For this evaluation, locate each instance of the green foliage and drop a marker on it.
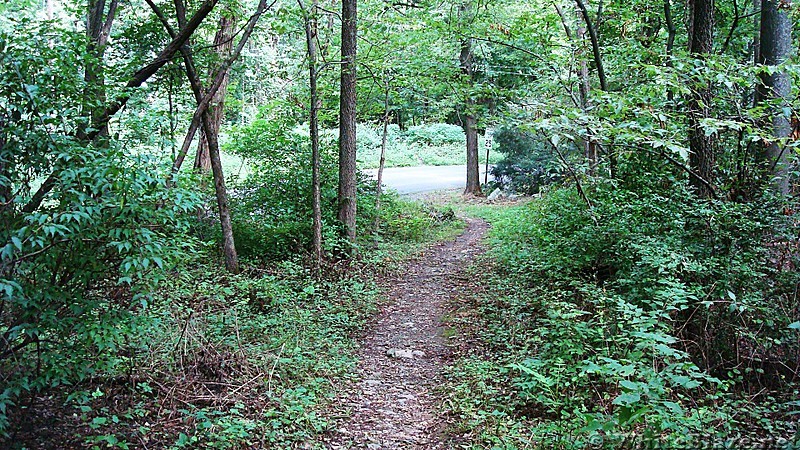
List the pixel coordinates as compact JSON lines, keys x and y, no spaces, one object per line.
{"x":76,"y":274}
{"x":435,"y":134}
{"x":434,"y":144}
{"x":625,"y":318}
{"x":528,"y":164}
{"x":272,"y":206}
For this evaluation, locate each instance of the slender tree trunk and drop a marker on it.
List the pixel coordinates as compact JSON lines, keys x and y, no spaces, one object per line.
{"x":593,"y":36}
{"x":223,"y":45}
{"x":757,"y":35}
{"x":776,"y":48}
{"x":229,"y":247}
{"x":584,"y":86}
{"x":468,"y":120}
{"x":313,"y":125}
{"x":98,"y":30}
{"x":589,"y":144}
{"x":591,"y":147}
{"x":347,"y":121}
{"x":382,"y":163}
{"x":671,"y":34}
{"x":702,"y":159}
{"x":228,"y":244}
{"x":6,"y":200}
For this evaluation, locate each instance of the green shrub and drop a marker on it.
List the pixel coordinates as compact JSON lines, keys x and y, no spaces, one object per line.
{"x":435,"y":134}
{"x":528,"y":164}
{"x":75,"y":276}
{"x":631,"y":317}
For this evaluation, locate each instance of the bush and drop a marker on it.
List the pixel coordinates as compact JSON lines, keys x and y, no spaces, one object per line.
{"x":527,"y":165}
{"x":634,"y":316}
{"x":435,"y":134}
{"x":76,"y":275}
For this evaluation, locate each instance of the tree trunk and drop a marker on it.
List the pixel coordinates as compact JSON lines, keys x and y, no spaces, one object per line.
{"x":6,"y":195}
{"x":468,"y":120}
{"x":776,"y":47}
{"x":593,"y":36}
{"x":671,"y":34}
{"x":703,"y":158}
{"x":589,"y":144}
{"x":223,"y":45}
{"x":347,"y":121}
{"x":382,"y":163}
{"x":473,"y":165}
{"x":98,"y":30}
{"x":757,"y":35}
{"x":313,"y":126}
{"x":228,"y":245}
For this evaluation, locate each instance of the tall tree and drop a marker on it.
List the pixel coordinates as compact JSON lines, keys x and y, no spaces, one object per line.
{"x":201,"y":116}
{"x":702,"y":159}
{"x":312,"y":30}
{"x":776,"y":86}
{"x":347,"y":121}
{"x":468,"y":119}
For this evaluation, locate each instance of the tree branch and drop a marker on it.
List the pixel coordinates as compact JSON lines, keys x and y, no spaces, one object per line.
{"x":136,"y":80}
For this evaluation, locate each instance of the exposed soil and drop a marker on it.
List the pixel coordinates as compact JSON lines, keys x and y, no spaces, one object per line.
{"x":393,"y":403}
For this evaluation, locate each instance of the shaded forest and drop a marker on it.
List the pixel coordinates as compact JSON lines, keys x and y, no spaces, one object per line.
{"x":192,"y":250}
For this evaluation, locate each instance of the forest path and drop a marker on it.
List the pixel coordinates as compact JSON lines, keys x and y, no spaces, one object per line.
{"x":392,"y":405}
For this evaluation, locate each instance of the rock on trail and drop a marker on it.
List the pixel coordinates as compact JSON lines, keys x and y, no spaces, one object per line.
{"x":393,"y":405}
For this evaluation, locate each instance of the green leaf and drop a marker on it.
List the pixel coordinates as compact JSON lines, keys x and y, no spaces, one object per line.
{"x":628,"y":398}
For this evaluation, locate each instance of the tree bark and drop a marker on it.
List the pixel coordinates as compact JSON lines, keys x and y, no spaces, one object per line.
{"x":229,"y":246}
{"x":223,"y":45}
{"x":702,"y":159}
{"x":98,"y":30}
{"x":382,"y":163}
{"x":776,"y":48}
{"x":203,"y":101}
{"x":593,"y":36}
{"x":671,"y":34}
{"x":757,"y":35}
{"x":347,"y":122}
{"x":312,"y":29}
{"x":468,"y":120}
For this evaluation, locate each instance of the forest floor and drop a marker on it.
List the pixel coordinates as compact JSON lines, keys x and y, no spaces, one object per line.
{"x":393,"y":403}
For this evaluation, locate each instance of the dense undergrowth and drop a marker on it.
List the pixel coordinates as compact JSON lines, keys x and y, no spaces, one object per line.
{"x":215,"y":360}
{"x":121,"y":330}
{"x":650,"y":319}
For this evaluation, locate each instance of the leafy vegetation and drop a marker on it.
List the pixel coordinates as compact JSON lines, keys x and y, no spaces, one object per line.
{"x":649,"y":296}
{"x":641,"y":318}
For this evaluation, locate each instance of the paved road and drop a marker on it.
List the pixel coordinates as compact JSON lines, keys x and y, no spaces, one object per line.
{"x":415,"y":180}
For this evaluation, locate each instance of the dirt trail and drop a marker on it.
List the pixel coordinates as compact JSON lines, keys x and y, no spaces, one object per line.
{"x":401,"y":360}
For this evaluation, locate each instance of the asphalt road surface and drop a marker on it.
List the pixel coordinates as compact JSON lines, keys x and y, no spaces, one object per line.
{"x":416,"y":180}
